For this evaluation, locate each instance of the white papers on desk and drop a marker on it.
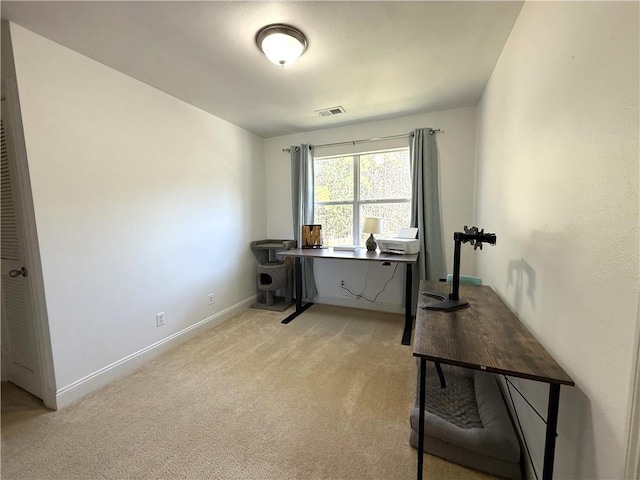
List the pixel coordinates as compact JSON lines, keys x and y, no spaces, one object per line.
{"x":349,"y":248}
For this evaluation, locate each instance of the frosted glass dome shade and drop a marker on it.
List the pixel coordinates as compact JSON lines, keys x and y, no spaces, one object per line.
{"x":281,"y":44}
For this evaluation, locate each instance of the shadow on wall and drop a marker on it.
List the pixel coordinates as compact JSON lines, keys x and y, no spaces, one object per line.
{"x":577,"y":436}
{"x":517,"y":271}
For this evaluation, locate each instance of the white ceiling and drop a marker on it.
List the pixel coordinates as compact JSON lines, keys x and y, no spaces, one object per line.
{"x":376,"y":59}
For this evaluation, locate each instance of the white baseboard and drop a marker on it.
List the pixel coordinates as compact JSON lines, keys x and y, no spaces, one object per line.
{"x":364,"y":304}
{"x":67,"y":395}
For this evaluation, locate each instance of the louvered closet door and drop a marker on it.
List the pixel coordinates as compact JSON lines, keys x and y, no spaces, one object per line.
{"x":19,"y":348}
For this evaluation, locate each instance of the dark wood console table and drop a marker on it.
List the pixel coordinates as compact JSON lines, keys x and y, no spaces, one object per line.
{"x":359,"y":254}
{"x":486,"y":336}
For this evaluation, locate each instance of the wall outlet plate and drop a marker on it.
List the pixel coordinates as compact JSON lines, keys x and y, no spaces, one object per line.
{"x":210,"y":297}
{"x":159,"y":319}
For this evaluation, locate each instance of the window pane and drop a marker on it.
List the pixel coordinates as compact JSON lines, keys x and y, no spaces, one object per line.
{"x":333,"y":179}
{"x":394,"y":216}
{"x":385,"y":175}
{"x":337,"y":223}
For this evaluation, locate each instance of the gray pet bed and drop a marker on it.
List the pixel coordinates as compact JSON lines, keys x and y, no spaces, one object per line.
{"x":467,"y":423}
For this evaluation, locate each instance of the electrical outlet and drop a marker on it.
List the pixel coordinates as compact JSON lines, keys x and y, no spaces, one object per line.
{"x":342,"y":283}
{"x":159,"y":319}
{"x":210,"y":296}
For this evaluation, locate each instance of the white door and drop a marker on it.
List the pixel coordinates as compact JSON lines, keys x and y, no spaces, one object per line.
{"x":20,"y":354}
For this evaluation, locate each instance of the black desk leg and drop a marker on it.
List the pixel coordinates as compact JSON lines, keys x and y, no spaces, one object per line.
{"x":299,"y":307}
{"x":408,"y":317}
{"x":552,"y":423}
{"x":423,"y":382}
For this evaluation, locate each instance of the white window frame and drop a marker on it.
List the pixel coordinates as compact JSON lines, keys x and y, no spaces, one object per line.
{"x":357,"y":202}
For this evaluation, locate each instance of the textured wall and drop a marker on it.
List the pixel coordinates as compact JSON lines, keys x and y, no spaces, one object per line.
{"x":143,"y":204}
{"x":558,"y":183}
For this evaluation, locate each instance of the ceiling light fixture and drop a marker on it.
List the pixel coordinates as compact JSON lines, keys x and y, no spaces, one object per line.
{"x":282,"y":44}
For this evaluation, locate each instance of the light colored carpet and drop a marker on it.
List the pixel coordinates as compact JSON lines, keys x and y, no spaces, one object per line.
{"x":325,"y":397}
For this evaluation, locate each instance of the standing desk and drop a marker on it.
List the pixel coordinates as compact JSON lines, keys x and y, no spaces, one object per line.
{"x":359,"y":254}
{"x":486,"y":336}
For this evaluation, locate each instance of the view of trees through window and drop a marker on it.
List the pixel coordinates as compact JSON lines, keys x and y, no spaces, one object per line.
{"x":351,"y":187}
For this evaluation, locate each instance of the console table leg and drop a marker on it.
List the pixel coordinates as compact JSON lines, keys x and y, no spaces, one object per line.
{"x":423,"y":383}
{"x":552,"y":423}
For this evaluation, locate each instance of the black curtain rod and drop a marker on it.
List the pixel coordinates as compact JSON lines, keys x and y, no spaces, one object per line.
{"x":353,"y":142}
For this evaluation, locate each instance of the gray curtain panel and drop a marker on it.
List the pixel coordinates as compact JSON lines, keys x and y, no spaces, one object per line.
{"x":425,"y":208}
{"x":302,"y":203}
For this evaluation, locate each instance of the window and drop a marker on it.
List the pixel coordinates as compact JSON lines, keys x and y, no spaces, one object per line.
{"x":351,"y":187}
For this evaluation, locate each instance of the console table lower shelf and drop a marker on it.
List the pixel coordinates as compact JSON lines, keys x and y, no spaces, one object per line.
{"x":467,"y":423}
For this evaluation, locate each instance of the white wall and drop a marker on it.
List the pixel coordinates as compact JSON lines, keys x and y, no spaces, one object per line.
{"x":456,"y":145}
{"x":143,"y":204}
{"x":558,"y":182}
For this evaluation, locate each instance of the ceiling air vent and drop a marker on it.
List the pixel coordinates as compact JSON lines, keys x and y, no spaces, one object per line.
{"x":328,"y":112}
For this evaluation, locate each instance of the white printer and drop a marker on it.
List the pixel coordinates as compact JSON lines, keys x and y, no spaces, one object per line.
{"x":405,"y":243}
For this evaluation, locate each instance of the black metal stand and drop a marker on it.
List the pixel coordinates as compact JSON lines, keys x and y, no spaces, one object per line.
{"x":453,"y":301}
{"x":423,"y":384}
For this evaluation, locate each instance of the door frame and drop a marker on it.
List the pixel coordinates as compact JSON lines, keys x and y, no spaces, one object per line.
{"x":15,"y":134}
{"x":632,"y":464}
